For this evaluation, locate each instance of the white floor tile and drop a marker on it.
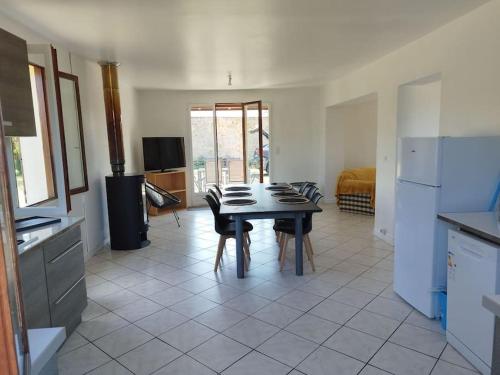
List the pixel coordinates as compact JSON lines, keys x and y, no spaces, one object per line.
{"x":374,"y":324}
{"x":219,"y":352}
{"x":419,"y":339}
{"x":161,"y":321}
{"x":187,"y":336}
{"x":354,"y":343}
{"x":312,"y":328}
{"x":399,"y":360}
{"x":184,"y":366}
{"x":277,"y":314}
{"x":123,"y":340}
{"x":100,"y":326}
{"x":220,"y":318}
{"x":149,"y":357}
{"x":334,"y":311}
{"x":251,"y":332}
{"x":287,"y":348}
{"x":445,"y":368}
{"x":352,"y":297}
{"x":81,"y":360}
{"x":326,"y":362}
{"x":110,"y":368}
{"x":256,"y":363}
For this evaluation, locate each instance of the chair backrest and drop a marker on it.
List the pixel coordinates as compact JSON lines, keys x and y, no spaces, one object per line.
{"x":307,"y":223}
{"x":215,"y":196}
{"x":316,"y":197}
{"x":159,"y":197}
{"x":236,"y":171}
{"x":219,"y":220}
{"x":311,"y":190}
{"x":303,"y":187}
{"x":219,"y":191}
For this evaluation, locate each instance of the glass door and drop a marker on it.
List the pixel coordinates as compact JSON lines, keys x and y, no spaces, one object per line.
{"x":230,"y":143}
{"x":256,"y":138}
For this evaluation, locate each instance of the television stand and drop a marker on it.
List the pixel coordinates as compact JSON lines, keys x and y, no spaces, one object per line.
{"x":173,"y":181}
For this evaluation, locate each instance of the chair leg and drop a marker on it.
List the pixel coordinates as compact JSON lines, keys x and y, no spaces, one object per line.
{"x":281,"y":243}
{"x":246,"y":255}
{"x":309,"y":242}
{"x":220,"y":248}
{"x":310,"y":254}
{"x":283,"y":252}
{"x":176,"y":217}
{"x":246,"y":239}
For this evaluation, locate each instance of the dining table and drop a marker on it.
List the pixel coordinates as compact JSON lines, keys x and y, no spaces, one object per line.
{"x":266,"y":206}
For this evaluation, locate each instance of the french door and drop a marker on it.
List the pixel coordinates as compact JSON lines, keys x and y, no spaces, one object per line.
{"x":230,"y":144}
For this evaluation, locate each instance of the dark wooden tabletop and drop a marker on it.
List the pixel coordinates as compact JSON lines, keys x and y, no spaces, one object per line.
{"x":266,"y":204}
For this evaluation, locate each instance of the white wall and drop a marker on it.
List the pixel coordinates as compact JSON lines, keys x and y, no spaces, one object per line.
{"x":350,"y":138}
{"x":466,"y":54}
{"x":419,"y":109}
{"x":294,"y":124}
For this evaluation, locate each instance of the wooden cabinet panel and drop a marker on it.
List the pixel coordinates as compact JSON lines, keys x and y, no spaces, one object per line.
{"x":67,"y":310}
{"x":36,"y":305}
{"x":64,"y":271}
{"x":61,"y":243}
{"x":15,"y":86}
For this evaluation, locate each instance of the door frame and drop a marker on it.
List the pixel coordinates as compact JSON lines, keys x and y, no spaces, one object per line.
{"x":194,"y":198}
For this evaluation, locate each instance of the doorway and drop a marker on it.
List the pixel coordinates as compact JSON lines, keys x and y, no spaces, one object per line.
{"x":230,"y":144}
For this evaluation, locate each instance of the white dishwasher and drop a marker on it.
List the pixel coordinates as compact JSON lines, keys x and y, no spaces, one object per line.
{"x":473,"y":271}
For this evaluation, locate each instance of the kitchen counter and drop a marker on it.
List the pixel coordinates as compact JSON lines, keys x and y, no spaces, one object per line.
{"x":37,"y":236}
{"x":481,"y":224}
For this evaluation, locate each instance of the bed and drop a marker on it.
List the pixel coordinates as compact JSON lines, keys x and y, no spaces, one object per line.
{"x":356,"y":191}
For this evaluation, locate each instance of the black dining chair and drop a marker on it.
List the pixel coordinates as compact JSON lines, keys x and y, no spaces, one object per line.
{"x":304,"y":186}
{"x":159,"y":198}
{"x":218,"y":190}
{"x":287,"y":230}
{"x":226,"y":228}
{"x":215,"y":195}
{"x":311,"y":191}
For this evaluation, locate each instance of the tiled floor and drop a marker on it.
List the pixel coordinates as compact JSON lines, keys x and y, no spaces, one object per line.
{"x":163,"y":310}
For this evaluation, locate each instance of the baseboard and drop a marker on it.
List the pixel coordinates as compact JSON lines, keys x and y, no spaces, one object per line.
{"x":383,"y":236}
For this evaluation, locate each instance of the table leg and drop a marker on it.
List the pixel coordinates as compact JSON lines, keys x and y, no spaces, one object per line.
{"x":239,"y":248}
{"x":299,"y":266}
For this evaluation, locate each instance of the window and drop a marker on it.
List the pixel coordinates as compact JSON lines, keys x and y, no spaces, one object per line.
{"x":32,"y":156}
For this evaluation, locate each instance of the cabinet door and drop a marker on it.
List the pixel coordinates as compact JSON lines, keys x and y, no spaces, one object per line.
{"x":472,"y":273}
{"x":36,"y":303}
{"x":15,"y":88}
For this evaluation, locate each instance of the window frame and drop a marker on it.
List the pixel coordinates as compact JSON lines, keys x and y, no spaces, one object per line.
{"x":43,"y":114}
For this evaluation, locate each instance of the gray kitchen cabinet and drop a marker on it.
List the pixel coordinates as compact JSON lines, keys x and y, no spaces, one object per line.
{"x":35,"y":298}
{"x":15,"y":87}
{"x":53,"y":279}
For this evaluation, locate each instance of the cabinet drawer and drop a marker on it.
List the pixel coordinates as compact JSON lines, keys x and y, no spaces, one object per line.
{"x":61,"y":243}
{"x":64,"y":270}
{"x":66,"y":311}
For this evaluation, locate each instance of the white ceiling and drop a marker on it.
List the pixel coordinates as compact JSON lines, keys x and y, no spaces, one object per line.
{"x":193,"y":44}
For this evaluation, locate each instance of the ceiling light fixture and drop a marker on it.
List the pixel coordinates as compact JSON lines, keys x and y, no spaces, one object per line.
{"x":229,"y":79}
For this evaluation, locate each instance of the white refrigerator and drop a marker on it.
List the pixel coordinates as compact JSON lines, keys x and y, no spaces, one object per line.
{"x":438,"y":174}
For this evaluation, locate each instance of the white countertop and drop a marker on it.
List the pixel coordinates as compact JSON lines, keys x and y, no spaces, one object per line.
{"x":44,"y":343}
{"x":492,"y":303}
{"x":37,"y":236}
{"x":482,"y":224}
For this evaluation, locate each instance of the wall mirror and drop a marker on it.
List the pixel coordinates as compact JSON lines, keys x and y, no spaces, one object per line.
{"x":73,"y":133}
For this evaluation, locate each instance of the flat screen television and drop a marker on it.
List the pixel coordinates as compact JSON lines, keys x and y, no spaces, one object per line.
{"x":161,"y":153}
